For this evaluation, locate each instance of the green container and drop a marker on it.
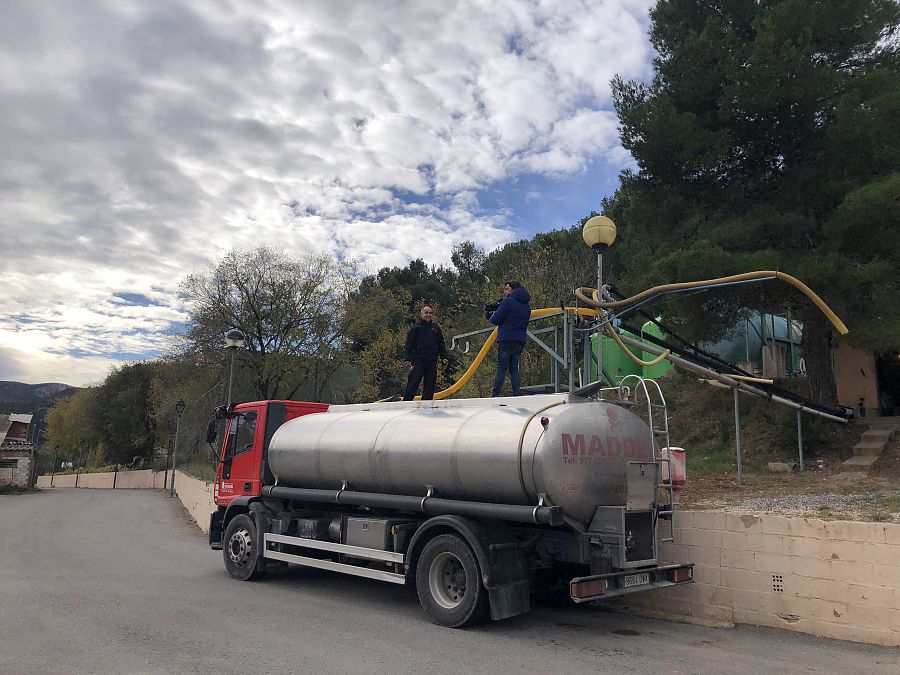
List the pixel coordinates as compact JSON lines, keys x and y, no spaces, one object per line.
{"x":615,"y":361}
{"x":661,"y":368}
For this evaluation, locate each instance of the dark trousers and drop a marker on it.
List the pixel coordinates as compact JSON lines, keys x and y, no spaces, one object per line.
{"x":508,"y":356}
{"x":426,"y":370}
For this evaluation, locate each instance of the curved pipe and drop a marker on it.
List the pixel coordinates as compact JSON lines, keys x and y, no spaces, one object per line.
{"x":762,"y":275}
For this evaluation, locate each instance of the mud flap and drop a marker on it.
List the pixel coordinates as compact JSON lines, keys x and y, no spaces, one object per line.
{"x":509,"y":600}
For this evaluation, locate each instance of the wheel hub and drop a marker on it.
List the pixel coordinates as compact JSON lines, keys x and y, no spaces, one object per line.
{"x":447,"y":580}
{"x":240,"y":547}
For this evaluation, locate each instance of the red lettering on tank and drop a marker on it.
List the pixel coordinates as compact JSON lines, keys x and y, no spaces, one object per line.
{"x":596,"y":446}
{"x":613,"y":446}
{"x":630,"y":447}
{"x":613,"y":416}
{"x":570,"y":447}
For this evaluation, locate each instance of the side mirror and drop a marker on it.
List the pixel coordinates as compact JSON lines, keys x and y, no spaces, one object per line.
{"x":211,"y":432}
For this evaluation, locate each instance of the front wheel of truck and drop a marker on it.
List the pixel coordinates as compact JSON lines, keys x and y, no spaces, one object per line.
{"x":239,"y":548}
{"x":448,"y":582}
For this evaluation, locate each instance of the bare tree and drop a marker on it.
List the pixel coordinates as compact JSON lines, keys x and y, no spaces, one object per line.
{"x":293,"y":312}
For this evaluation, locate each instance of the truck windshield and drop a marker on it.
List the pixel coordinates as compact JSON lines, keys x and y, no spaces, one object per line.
{"x":241,"y":434}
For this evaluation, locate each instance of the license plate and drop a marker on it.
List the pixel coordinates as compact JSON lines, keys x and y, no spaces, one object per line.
{"x":635,"y":580}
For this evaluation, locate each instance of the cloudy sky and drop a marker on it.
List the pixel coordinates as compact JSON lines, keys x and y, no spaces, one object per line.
{"x":141,"y":140}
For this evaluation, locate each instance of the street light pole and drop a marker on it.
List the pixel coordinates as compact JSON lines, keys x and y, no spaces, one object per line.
{"x":599,"y":318}
{"x":234,"y":340}
{"x":599,"y":232}
{"x":179,"y":409}
{"x":53,"y":468}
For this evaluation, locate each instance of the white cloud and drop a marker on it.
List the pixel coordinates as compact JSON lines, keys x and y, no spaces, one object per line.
{"x":142,"y":139}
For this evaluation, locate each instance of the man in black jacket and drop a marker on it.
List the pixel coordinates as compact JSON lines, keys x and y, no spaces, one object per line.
{"x":424,"y":343}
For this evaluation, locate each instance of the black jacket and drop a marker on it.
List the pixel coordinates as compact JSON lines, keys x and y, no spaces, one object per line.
{"x":425,"y":342}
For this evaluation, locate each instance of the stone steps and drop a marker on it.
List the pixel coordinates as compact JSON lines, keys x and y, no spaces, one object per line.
{"x":860,"y":462}
{"x":877,"y":433}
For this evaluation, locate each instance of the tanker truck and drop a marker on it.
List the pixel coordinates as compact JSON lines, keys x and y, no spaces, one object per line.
{"x":477,"y":502}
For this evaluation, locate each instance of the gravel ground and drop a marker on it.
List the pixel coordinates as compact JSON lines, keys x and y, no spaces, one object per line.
{"x":816,"y":502}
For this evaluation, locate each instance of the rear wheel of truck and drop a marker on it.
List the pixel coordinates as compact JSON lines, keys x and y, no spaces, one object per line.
{"x":448,"y":582}
{"x":240,"y":548}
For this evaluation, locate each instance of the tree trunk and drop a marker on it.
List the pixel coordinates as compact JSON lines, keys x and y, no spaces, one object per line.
{"x":816,"y":347}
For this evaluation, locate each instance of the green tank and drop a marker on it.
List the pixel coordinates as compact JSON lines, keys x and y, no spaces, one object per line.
{"x":615,"y":361}
{"x":661,"y":368}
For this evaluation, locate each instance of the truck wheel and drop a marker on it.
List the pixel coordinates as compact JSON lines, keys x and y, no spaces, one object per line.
{"x":449,"y":582}
{"x":240,"y":548}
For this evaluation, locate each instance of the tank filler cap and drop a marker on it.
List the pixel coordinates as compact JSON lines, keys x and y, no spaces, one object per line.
{"x":545,"y":421}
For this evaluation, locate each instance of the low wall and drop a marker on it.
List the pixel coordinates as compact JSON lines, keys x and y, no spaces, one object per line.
{"x":837,"y":579}
{"x":197,"y":497}
{"x":145,"y":479}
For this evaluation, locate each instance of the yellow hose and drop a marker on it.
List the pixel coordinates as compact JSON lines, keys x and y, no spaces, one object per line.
{"x":806,"y":290}
{"x":485,"y":348}
{"x":589,"y":297}
{"x":628,"y":352}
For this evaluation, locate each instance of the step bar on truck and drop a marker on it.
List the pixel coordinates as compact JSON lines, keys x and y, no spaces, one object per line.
{"x":274,"y":541}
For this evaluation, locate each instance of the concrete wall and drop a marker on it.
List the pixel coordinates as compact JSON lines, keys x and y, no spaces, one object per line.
{"x":138,"y":480}
{"x":197,"y":497}
{"x":837,"y":579}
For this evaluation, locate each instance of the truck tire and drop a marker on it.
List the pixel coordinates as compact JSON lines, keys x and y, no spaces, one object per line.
{"x":239,"y":549}
{"x":448,"y":582}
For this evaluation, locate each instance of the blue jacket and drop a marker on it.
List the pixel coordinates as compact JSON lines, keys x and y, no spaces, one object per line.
{"x":512,"y":316}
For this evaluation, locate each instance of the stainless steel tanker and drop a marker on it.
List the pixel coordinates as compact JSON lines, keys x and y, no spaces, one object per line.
{"x":572,"y":452}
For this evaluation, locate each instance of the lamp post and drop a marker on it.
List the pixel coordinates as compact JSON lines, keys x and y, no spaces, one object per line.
{"x":79,"y":462}
{"x":179,"y":409}
{"x":234,"y":340}
{"x":599,"y":232}
{"x":53,"y":468}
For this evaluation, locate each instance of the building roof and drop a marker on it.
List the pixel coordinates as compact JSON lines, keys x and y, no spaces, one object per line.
{"x":6,"y":422}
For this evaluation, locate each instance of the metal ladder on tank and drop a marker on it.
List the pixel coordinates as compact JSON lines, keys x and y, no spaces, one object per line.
{"x":657,"y":413}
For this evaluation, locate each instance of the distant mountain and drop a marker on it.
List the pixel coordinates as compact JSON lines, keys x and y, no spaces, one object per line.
{"x":32,"y":399}
{"x":48,"y":392}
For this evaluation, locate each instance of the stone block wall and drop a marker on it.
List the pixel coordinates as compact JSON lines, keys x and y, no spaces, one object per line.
{"x":18,"y":475}
{"x":837,"y":579}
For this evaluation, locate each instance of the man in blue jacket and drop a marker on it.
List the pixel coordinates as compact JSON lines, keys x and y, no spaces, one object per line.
{"x":511,"y":316}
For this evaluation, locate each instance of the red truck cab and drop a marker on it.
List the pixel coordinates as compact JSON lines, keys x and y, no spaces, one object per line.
{"x":243,"y":468}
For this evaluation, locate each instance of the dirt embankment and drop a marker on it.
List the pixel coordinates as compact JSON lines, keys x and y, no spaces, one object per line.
{"x":701,"y":420}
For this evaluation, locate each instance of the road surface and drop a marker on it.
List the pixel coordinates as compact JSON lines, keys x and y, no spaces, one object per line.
{"x":102,"y":581}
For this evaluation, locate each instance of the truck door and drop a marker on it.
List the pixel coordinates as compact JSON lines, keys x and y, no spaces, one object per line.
{"x":240,"y":462}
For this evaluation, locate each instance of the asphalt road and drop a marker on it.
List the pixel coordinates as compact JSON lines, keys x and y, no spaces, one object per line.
{"x":100,"y":581}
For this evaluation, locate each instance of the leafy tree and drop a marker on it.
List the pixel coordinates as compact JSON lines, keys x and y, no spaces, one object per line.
{"x":125,"y":416}
{"x":202,"y":385}
{"x":73,"y":427}
{"x":107,"y":424}
{"x":421,"y":284}
{"x":768,"y":139}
